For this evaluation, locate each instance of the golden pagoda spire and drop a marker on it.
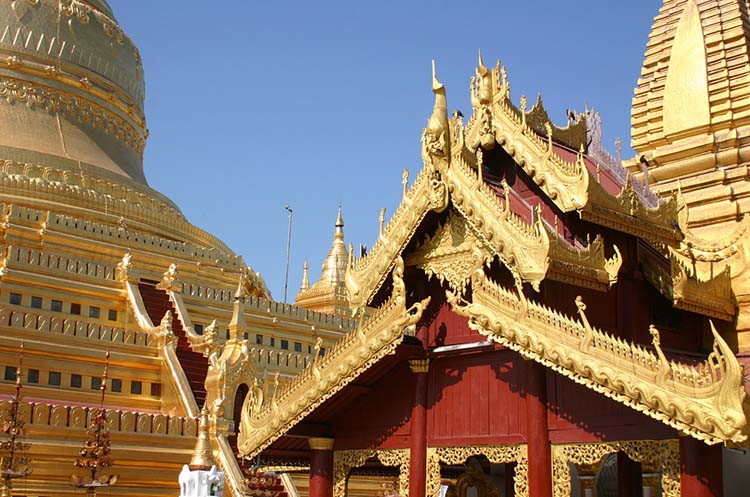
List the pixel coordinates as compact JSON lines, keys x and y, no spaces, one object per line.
{"x":305,"y":277}
{"x":687,"y":114}
{"x":334,"y":267}
{"x":328,"y":294}
{"x":203,"y":454}
{"x":238,"y":326}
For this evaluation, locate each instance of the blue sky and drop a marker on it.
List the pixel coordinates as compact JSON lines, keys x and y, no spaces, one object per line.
{"x":255,"y":105}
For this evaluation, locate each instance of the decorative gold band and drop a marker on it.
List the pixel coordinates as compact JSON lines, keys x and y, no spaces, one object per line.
{"x":419,"y":365}
{"x":320,"y":443}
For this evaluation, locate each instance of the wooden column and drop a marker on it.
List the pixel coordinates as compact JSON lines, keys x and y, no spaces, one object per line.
{"x":418,"y":440}
{"x":321,"y":467}
{"x":537,"y":433}
{"x":629,"y":481}
{"x":701,"y":468}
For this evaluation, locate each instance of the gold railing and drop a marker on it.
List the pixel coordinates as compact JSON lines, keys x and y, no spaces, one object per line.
{"x":73,"y":327}
{"x":39,"y":414}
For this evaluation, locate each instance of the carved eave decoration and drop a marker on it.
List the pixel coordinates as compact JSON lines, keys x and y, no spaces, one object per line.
{"x":566,"y":184}
{"x":704,"y":401}
{"x":573,"y":135}
{"x":523,"y":248}
{"x":712,"y":297}
{"x":365,"y":275}
{"x":376,"y":337}
{"x":719,"y":249}
{"x":529,"y":138}
{"x":586,"y":267}
{"x":687,"y":290}
{"x":627,"y":212}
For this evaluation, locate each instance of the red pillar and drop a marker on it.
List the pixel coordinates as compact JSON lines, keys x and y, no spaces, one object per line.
{"x":321,"y":467}
{"x":629,"y":479}
{"x":537,"y":433}
{"x":418,"y":440}
{"x":701,"y":468}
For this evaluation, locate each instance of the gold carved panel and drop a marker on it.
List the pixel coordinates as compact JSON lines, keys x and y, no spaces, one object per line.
{"x":496,"y":454}
{"x":345,"y":460}
{"x":659,"y":453}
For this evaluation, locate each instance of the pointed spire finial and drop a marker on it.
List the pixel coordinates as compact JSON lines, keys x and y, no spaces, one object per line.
{"x":237,"y":325}
{"x":305,"y":277}
{"x":339,"y":218}
{"x":481,"y":62}
{"x":436,"y":85}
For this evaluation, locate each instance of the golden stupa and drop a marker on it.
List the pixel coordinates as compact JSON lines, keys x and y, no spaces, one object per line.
{"x":94,"y":260}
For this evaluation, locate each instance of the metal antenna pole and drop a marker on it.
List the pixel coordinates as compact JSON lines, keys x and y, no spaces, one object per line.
{"x":288,"y":250}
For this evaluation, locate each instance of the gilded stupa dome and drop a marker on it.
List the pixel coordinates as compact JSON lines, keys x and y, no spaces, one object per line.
{"x":71,"y":88}
{"x":72,"y":124}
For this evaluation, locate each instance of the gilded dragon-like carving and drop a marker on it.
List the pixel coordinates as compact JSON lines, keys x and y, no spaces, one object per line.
{"x":704,"y":401}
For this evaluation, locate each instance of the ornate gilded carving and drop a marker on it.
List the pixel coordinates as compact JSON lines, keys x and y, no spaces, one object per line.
{"x":231,"y":366}
{"x":583,"y":266}
{"x":692,"y":286}
{"x":436,"y":136}
{"x":523,"y":248}
{"x":366,"y":275}
{"x":496,"y":454}
{"x":374,"y":338}
{"x":345,"y":460}
{"x":14,"y":91}
{"x":573,"y":135}
{"x":451,"y":254}
{"x":566,"y":184}
{"x":704,"y":401}
{"x":660,"y":453}
{"x":630,"y":212}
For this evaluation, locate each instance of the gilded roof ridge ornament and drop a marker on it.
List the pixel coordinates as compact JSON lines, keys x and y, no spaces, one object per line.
{"x":436,"y":136}
{"x":565,"y":184}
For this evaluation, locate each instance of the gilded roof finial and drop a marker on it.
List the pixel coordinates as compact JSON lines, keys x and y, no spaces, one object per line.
{"x":436,"y":136}
{"x":203,"y":455}
{"x":237,"y":325}
{"x":381,"y":222}
{"x":436,"y":85}
{"x":405,"y":180}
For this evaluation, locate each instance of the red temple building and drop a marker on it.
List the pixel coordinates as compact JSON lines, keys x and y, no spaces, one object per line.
{"x":538,"y":318}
